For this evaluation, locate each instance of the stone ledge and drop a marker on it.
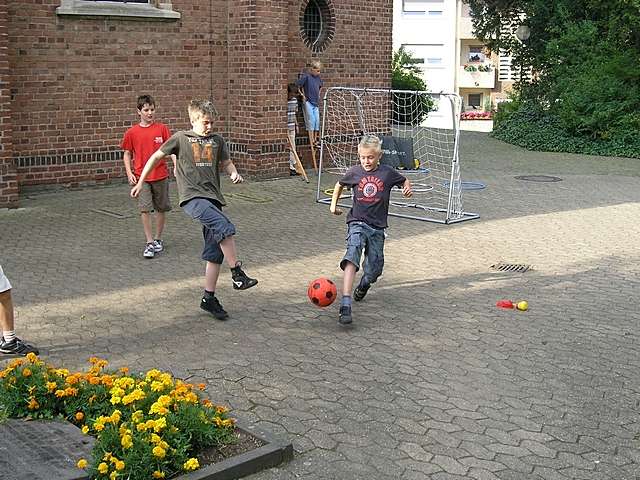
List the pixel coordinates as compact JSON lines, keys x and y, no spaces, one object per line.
{"x":53,"y":447}
{"x":132,"y":11}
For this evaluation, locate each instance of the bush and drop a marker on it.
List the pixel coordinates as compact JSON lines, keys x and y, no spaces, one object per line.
{"x":535,"y":129}
{"x":409,"y":109}
{"x":146,"y":426}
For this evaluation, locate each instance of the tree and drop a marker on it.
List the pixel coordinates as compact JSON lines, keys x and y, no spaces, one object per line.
{"x":406,"y":75}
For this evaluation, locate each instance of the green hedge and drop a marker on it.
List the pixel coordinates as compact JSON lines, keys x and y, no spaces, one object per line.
{"x":534,"y":129}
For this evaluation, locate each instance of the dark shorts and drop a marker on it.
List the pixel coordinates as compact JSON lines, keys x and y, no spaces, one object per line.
{"x":363,"y":238}
{"x":154,"y":196}
{"x":215,"y":226}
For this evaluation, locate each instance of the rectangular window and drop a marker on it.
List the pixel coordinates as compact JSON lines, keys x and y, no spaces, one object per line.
{"x":476,"y":54}
{"x":423,"y":6}
{"x":475,"y":100}
{"x":428,"y":55}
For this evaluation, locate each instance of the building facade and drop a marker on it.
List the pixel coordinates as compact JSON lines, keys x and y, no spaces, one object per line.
{"x":439,"y":35}
{"x":70,"y":72}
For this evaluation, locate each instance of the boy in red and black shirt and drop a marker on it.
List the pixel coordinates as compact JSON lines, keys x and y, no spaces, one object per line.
{"x":139,"y":143}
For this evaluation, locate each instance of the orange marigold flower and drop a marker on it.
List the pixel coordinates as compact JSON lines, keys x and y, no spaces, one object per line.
{"x":33,"y":404}
{"x":26,"y":372}
{"x":201,"y":386}
{"x":79,"y":416}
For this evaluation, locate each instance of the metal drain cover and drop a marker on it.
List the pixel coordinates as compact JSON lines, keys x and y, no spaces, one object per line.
{"x":511,"y":267}
{"x":538,"y":178}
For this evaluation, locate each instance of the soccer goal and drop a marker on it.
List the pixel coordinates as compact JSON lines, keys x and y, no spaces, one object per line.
{"x":420,"y":136}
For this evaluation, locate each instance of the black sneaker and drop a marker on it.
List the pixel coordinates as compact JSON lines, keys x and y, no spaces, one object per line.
{"x":240,"y":279}
{"x":212,"y":305}
{"x":360,"y":292}
{"x":345,"y":315}
{"x":293,"y":173}
{"x":17,"y":347}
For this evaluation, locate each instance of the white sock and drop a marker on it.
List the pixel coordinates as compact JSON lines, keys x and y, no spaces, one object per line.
{"x":9,"y":335}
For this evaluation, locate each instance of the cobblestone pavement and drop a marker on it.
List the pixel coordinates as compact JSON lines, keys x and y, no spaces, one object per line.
{"x":433,"y":381}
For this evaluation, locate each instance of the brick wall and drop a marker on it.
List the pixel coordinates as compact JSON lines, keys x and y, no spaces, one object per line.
{"x":8,"y":175}
{"x":73,"y":81}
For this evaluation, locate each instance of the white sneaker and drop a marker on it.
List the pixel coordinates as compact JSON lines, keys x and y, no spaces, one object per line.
{"x":158,"y":245}
{"x":149,"y":251}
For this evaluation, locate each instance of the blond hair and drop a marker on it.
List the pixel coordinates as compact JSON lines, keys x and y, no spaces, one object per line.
{"x":316,"y":64}
{"x":200,"y":108}
{"x":372,"y":142}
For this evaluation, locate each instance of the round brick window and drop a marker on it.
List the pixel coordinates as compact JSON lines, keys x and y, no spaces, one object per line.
{"x":317,"y":24}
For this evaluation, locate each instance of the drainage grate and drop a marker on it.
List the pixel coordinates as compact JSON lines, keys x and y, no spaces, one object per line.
{"x":110,"y":213}
{"x":511,"y":267}
{"x":538,"y":178}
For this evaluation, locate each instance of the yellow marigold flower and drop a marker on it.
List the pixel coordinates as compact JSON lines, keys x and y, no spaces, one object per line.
{"x":33,"y":404}
{"x":107,"y":380}
{"x":116,"y":400}
{"x":191,"y":464}
{"x":221,"y":409}
{"x":164,"y":400}
{"x":160,"y":424}
{"x":217,"y":421}
{"x":157,"y":386}
{"x":70,"y":391}
{"x":26,"y":372}
{"x":79,"y":416}
{"x":103,"y":468}
{"x":32,"y":357}
{"x":115,"y":416}
{"x":61,"y":372}
{"x":85,"y":429}
{"x":82,"y":463}
{"x":107,"y":456}
{"x":164,"y":445}
{"x":113,"y":475}
{"x":141,"y":427}
{"x":137,"y":416}
{"x":51,"y":386}
{"x":60,"y":393}
{"x":159,"y":452}
{"x":152,"y":374}
{"x":126,"y":441}
{"x":116,"y":391}
{"x":119,"y":465}
{"x":167,"y":379}
{"x":158,"y":474}
{"x":228,"y":422}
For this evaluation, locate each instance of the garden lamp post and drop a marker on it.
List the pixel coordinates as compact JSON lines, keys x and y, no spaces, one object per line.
{"x":523,"y":32}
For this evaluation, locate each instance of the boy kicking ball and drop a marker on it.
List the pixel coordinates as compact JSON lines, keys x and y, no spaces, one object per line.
{"x":367,"y":219}
{"x":199,"y":153}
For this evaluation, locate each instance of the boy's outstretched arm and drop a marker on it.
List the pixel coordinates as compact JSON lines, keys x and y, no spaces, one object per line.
{"x":126,"y":158}
{"x":406,"y":188}
{"x":153,"y":159}
{"x":337,"y":191}
{"x":230,"y":168}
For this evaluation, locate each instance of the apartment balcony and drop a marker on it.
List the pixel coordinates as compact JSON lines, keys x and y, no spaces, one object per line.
{"x":465,"y":28}
{"x":476,"y":79}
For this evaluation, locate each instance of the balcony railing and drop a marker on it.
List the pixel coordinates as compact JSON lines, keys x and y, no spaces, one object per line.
{"x":477,"y":78}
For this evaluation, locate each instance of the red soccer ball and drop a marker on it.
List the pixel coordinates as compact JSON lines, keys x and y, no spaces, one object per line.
{"x":322,"y":292}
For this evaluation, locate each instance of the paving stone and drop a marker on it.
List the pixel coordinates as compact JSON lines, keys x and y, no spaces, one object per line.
{"x":430,"y":360}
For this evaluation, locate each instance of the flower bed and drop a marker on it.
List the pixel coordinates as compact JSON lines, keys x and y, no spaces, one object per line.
{"x":146,"y":425}
{"x":475,"y":115}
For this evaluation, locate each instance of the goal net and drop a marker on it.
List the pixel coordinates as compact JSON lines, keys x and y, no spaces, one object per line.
{"x":420,"y":137}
